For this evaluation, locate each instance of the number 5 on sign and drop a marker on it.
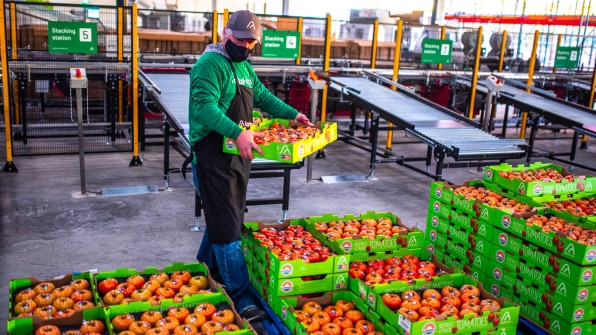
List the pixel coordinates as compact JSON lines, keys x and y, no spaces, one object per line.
{"x":291,"y":42}
{"x":85,"y":35}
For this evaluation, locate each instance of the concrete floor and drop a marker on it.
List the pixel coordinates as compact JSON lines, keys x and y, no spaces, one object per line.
{"x":48,"y":232}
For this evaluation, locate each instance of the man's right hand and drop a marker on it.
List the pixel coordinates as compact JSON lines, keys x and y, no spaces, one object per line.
{"x":246,"y":144}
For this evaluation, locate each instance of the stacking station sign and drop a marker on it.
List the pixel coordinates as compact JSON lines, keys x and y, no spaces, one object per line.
{"x":280,"y":44}
{"x":72,"y":37}
{"x":436,"y":51}
{"x":567,"y":57}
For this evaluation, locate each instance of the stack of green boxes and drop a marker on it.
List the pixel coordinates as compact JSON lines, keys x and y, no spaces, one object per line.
{"x":549,"y":275}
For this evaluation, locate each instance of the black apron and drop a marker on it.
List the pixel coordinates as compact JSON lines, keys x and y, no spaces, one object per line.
{"x":223,"y":178}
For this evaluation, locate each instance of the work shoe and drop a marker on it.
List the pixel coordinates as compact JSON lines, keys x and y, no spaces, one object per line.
{"x":254,"y":314}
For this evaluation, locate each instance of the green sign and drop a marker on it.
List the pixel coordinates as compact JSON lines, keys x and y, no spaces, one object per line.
{"x":436,"y":51}
{"x":567,"y":57}
{"x":280,"y":44}
{"x":72,"y":37}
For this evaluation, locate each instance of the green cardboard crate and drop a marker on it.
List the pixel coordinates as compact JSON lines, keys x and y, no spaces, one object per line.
{"x":508,"y":315}
{"x":472,"y":224}
{"x":437,"y":207}
{"x":19,"y":284}
{"x":492,"y":174}
{"x":307,"y":284}
{"x":289,"y":153}
{"x":436,"y":222}
{"x":406,"y":238}
{"x":438,"y":192}
{"x":28,"y":325}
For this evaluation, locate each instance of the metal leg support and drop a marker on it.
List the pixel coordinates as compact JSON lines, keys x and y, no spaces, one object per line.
{"x":439,"y":157}
{"x":374,"y":138}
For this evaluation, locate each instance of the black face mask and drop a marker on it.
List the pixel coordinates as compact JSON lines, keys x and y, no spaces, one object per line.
{"x":237,"y":53}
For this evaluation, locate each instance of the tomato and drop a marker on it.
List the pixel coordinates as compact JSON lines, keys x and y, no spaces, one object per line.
{"x":107,"y":285}
{"x":159,"y":277}
{"x":195,"y":319}
{"x":92,"y":326}
{"x":72,"y":332}
{"x":158,"y":331}
{"x":142,"y":294}
{"x":331,"y":329}
{"x":136,"y":280}
{"x":185,"y":330}
{"x":411,"y":304}
{"x":113,"y":297}
{"x":187,"y":288}
{"x":168,"y":322}
{"x":207,"y":309}
{"x":139,"y":327}
{"x":356,"y":273}
{"x":44,"y":299}
{"x":333,"y":311}
{"x":83,"y":304}
{"x":126,"y":289}
{"x":431,"y":302}
{"x":365,"y":326}
{"x":180,"y":313}
{"x":431,"y":293}
{"x":182,"y":276}
{"x":354,"y":315}
{"x":44,"y":287}
{"x":343,"y":322}
{"x":311,"y":307}
{"x":351,"y":331}
{"x":450,"y":291}
{"x":173,"y":284}
{"x":410,"y":294}
{"x":427,"y":311}
{"x":301,"y":315}
{"x":79,"y":284}
{"x":122,"y":321}
{"x":45,"y":312}
{"x":25,"y":294}
{"x":155,"y":300}
{"x":311,"y":325}
{"x":225,"y":316}
{"x":165,"y":292}
{"x":81,"y":294}
{"x":48,"y":330}
{"x":409,"y":314}
{"x":151,"y":316}
{"x":322,"y":317}
{"x":210,"y":327}
{"x":64,"y":313}
{"x":344,"y":305}
{"x":179,"y":297}
{"x":25,"y":306}
{"x":63,"y":303}
{"x":63,"y":291}
{"x":468,"y":296}
{"x":152,"y":285}
{"x":231,"y":327}
{"x":469,"y":288}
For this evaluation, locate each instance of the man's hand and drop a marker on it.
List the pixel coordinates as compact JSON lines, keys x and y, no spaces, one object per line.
{"x":303,"y":120}
{"x":246,"y":144}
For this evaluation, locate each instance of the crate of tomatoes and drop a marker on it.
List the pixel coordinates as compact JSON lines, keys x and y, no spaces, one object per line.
{"x":88,"y":321}
{"x":175,"y":282}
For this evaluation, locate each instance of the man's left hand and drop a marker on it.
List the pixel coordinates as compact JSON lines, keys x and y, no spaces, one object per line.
{"x":303,"y":120}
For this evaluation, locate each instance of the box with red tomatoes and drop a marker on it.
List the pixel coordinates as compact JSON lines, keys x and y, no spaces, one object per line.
{"x":174,"y":282}
{"x":538,"y":179}
{"x":335,"y":312}
{"x":367,"y":232}
{"x":93,"y":320}
{"x":285,"y":142}
{"x":462,"y":306}
{"x":59,"y":297}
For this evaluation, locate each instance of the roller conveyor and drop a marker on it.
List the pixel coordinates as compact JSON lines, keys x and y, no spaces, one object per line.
{"x":170,"y":92}
{"x":447,"y":132}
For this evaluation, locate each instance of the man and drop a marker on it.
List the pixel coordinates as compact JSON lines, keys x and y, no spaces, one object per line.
{"x":224,"y":89}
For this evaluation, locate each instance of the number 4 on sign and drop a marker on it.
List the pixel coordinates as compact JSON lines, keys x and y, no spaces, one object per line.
{"x":291,"y":42}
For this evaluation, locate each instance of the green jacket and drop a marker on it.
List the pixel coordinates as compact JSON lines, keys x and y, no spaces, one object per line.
{"x":212,"y":89}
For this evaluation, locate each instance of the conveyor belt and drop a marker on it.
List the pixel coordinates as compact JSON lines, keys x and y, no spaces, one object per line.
{"x":171,"y":93}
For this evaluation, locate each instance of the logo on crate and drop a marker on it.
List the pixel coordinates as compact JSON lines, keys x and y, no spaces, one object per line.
{"x":587,"y":275}
{"x":285,"y":154}
{"x":286,"y":269}
{"x":503,"y":239}
{"x":245,"y":250}
{"x":433,"y":235}
{"x":230,"y":144}
{"x":434,"y":221}
{"x":287,"y":286}
{"x":371,"y":299}
{"x":340,"y":283}
{"x":495,"y":290}
{"x":500,"y":256}
{"x":576,"y":331}
{"x":431,"y":248}
{"x":583,"y":294}
{"x":301,"y":150}
{"x":284,"y":312}
{"x":506,"y":221}
{"x":342,"y":263}
{"x":429,"y":328}
{"x":579,"y":314}
{"x":437,"y":206}
{"x":537,"y":189}
{"x":521,"y":188}
{"x":497,"y":274}
{"x":488,"y":174}
{"x":413,"y":242}
{"x":346,"y":245}
{"x":439,"y":192}
{"x":590,"y":256}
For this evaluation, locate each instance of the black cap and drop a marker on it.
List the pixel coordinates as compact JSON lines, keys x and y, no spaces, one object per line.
{"x":245,"y":24}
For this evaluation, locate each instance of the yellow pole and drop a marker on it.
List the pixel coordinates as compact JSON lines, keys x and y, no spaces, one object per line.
{"x":443,"y":35}
{"x":373,"y":52}
{"x":503,"y":49}
{"x":591,"y":101}
{"x":300,"y":25}
{"x":5,"y":97}
{"x":15,"y":55}
{"x":214,"y":28}
{"x":522,"y":131}
{"x":475,"y":73}
{"x":559,"y":40}
{"x":226,"y":15}
{"x":120,"y":56}
{"x":395,"y":75}
{"x":326,"y":61}
{"x":135,"y":84}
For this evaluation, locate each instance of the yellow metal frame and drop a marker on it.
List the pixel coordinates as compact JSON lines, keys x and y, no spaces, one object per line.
{"x":443,"y":35}
{"x":135,"y":80}
{"x":373,"y":51}
{"x":503,"y":47}
{"x":395,"y":75}
{"x":326,"y":67}
{"x":214,"y":28}
{"x":299,"y":28}
{"x":475,"y":73}
{"x":524,"y":120}
{"x":5,"y":83}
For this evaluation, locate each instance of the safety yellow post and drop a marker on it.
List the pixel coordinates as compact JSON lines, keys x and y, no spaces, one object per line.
{"x":503,"y":49}
{"x":9,"y":166}
{"x":395,"y":75}
{"x":326,"y":62}
{"x":120,"y":55}
{"x":15,"y":55}
{"x":443,"y":35}
{"x":136,"y":161}
{"x":522,"y":131}
{"x":226,"y":15}
{"x":214,"y":28}
{"x":559,"y":40}
{"x":475,"y":73}
{"x":299,"y":28}
{"x":373,"y":52}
